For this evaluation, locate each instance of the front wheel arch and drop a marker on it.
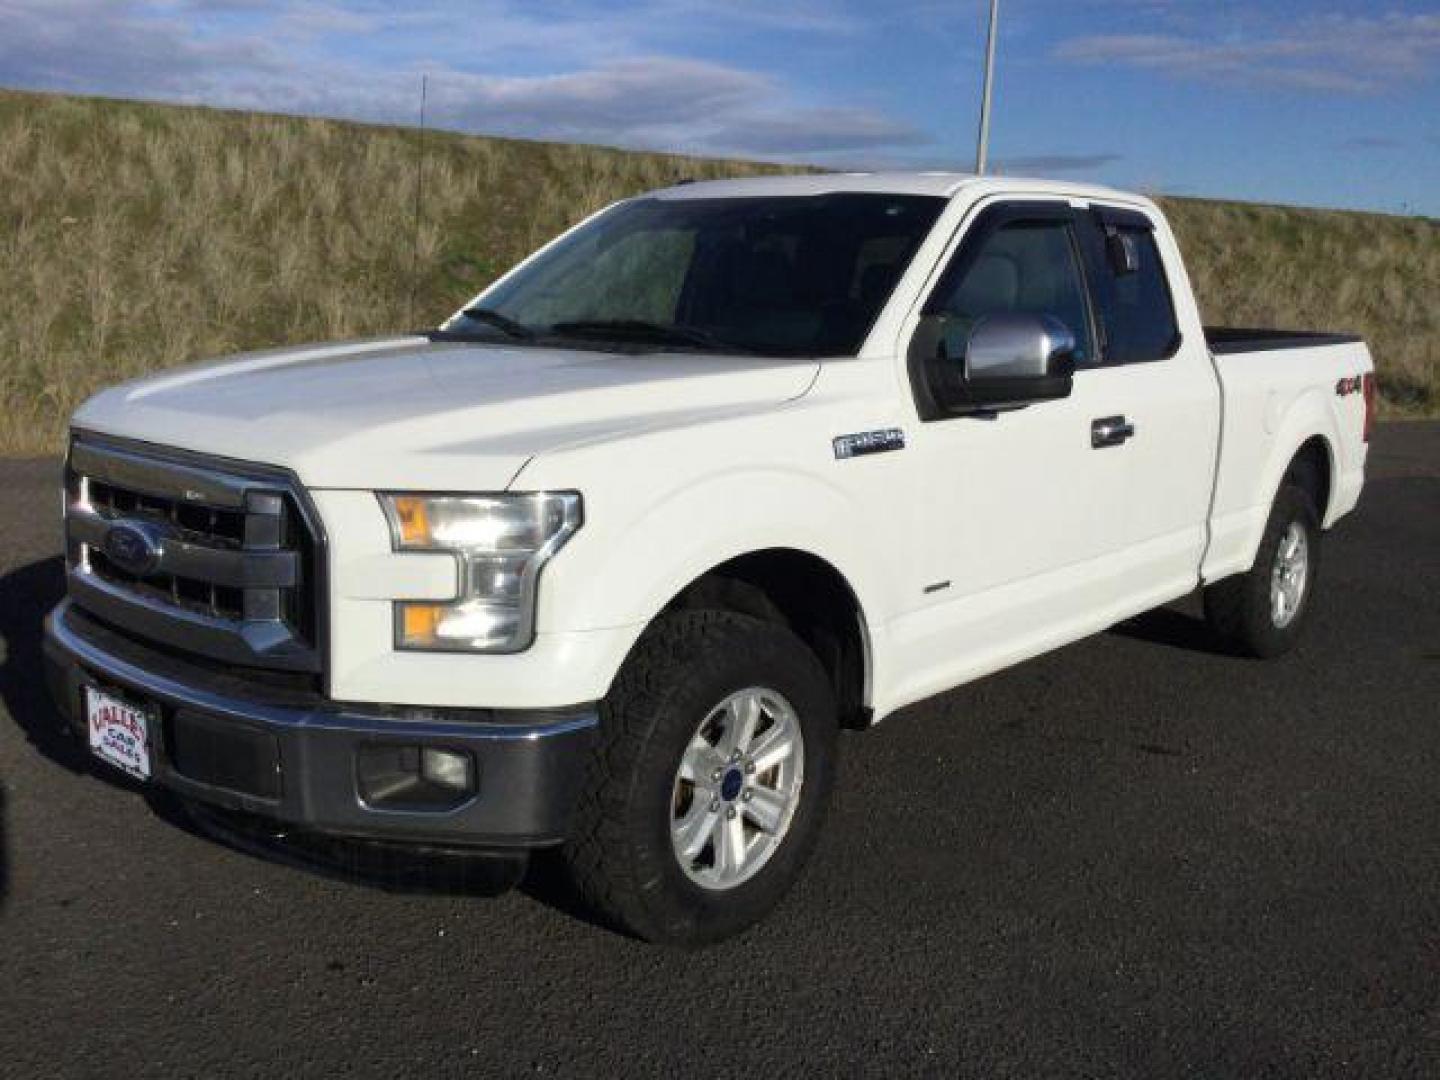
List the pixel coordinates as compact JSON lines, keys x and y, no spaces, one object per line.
{"x":810,"y":597}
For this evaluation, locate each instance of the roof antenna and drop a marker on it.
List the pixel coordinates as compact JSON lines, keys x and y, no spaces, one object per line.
{"x":419,"y":199}
{"x":982,"y":145}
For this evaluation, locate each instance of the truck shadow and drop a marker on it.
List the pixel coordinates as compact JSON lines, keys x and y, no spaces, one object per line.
{"x":389,"y":868}
{"x":4,"y":853}
{"x":27,"y":595}
{"x":1174,"y":628}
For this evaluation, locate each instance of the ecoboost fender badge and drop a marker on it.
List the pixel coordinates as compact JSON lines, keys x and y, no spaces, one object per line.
{"x":868,"y":442}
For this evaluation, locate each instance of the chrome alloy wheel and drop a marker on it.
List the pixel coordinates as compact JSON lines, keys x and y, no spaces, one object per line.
{"x":737,"y":788}
{"x":1289,"y":576}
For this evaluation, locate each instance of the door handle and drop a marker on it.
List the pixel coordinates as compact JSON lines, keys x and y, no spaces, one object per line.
{"x":1110,"y":431}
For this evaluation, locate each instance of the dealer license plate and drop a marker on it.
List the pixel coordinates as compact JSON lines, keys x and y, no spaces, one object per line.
{"x":119,"y":732}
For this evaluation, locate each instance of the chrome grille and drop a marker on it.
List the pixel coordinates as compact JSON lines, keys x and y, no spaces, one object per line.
{"x":207,"y":556}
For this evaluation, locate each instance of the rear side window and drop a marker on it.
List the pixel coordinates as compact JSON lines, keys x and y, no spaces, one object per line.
{"x":1137,"y":314}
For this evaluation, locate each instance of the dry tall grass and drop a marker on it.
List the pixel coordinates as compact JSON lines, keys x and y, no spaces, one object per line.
{"x":1370,"y":274}
{"x":136,"y":236}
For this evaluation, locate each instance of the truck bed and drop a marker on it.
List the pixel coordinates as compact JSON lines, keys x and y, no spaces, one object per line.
{"x":1224,"y":340}
{"x":1281,"y":388}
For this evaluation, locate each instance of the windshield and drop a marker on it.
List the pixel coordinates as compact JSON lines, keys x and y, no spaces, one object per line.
{"x":781,"y":276}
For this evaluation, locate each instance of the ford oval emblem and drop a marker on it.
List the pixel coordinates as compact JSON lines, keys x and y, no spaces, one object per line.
{"x":134,"y":547}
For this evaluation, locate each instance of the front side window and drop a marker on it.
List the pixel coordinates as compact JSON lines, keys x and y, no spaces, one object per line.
{"x":1023,"y":267}
{"x":783,"y":276}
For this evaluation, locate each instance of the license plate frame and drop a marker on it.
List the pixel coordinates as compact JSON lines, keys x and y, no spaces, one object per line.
{"x":120,"y":732}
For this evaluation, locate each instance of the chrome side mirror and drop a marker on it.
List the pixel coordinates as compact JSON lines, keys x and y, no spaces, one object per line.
{"x":1014,"y":346}
{"x":1010,"y":360}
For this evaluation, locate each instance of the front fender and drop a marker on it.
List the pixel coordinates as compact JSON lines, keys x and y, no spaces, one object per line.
{"x":623,"y":568}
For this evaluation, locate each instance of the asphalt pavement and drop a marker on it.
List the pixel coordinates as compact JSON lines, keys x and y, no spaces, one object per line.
{"x":1136,"y":856}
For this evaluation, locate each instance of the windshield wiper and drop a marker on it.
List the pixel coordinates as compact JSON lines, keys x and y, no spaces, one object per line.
{"x":503,"y":323}
{"x":639,"y":329}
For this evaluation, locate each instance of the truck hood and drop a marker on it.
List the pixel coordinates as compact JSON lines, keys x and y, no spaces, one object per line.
{"x":412,"y":413}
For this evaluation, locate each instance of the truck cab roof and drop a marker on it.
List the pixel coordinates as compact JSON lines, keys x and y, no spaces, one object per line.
{"x":941,"y":184}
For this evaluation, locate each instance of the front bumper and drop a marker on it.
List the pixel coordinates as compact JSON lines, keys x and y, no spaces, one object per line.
{"x":293,"y":759}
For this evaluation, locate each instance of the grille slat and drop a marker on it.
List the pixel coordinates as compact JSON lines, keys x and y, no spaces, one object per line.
{"x":244,"y":568}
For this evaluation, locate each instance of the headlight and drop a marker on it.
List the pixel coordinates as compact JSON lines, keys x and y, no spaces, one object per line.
{"x":501,"y":542}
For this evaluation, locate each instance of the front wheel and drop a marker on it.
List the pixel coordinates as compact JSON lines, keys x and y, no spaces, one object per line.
{"x":1260,"y":612}
{"x":705,"y":794}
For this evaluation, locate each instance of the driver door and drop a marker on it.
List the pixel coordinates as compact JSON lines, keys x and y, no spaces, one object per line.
{"x":1022,"y":520}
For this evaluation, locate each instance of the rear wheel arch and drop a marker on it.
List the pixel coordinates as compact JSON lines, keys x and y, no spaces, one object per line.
{"x":1312,"y":469}
{"x":1304,"y":450}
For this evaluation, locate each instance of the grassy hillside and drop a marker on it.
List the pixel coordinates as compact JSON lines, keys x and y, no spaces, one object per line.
{"x":139,"y":236}
{"x":1370,"y":274}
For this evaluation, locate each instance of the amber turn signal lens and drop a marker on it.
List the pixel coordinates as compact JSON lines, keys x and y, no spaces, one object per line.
{"x":419,"y":622}
{"x":414,"y":522}
{"x":499,"y":542}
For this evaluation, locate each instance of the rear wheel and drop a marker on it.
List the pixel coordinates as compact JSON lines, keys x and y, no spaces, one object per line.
{"x":706,"y":791}
{"x":1261,"y":612}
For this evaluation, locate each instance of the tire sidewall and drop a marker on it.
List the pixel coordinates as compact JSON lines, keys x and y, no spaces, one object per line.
{"x":1292,"y":506}
{"x":681,"y":910}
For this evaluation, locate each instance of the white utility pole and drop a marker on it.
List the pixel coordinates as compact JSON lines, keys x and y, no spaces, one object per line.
{"x":983,"y":146}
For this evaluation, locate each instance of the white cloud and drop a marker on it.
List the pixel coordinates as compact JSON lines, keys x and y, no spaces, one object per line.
{"x":595,"y":79}
{"x":1372,"y":142}
{"x":1337,"y":53}
{"x":642,"y":100}
{"x":799,"y":16}
{"x":1058,"y":164}
{"x":86,"y":45}
{"x":818,"y":130}
{"x":591,"y":79}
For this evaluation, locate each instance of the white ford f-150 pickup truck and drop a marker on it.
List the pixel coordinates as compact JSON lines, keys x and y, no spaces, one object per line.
{"x":605,"y":562}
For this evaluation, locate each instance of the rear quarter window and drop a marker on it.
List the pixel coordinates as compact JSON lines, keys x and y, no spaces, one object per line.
{"x":1137,"y":310}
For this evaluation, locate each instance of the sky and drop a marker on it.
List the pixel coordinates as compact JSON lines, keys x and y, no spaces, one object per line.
{"x":1312,"y":102}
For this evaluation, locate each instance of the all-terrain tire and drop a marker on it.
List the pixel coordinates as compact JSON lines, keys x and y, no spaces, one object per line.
{"x":1240,"y":609}
{"x":620,"y":857}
